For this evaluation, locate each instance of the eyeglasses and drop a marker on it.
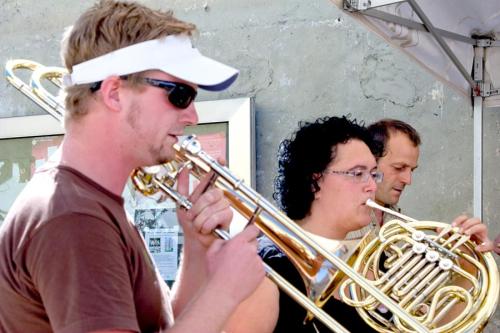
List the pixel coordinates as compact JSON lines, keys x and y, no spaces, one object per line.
{"x":359,"y":176}
{"x":181,"y":95}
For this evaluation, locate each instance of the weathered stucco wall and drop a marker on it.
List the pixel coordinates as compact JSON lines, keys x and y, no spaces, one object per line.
{"x":300,"y":60}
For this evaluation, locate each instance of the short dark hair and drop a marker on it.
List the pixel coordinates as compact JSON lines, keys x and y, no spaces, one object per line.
{"x":382,"y":129}
{"x":305,"y":155}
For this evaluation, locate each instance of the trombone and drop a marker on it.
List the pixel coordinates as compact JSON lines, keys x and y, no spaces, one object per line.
{"x":35,"y":89}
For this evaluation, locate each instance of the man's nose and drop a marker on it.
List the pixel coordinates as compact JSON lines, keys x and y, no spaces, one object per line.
{"x":406,"y":177}
{"x":189,"y":116}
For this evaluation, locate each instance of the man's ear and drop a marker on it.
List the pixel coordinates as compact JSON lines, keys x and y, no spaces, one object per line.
{"x":110,"y":92}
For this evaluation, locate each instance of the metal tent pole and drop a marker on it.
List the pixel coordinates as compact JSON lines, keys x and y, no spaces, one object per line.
{"x":478,"y":133}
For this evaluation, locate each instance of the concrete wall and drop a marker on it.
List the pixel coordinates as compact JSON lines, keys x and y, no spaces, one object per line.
{"x":301,"y":60}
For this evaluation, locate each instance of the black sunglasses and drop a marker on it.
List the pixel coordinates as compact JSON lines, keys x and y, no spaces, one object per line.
{"x":181,"y":95}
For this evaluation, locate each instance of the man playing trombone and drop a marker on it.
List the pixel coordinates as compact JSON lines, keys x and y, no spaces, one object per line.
{"x":72,"y":261}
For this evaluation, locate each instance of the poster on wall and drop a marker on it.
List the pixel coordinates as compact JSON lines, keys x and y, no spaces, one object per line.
{"x":163,"y":243}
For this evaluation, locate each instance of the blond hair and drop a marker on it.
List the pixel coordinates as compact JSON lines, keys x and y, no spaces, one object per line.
{"x":107,"y":26}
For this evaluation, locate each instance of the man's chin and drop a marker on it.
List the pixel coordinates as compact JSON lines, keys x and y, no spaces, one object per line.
{"x":165,"y":158}
{"x":392,"y":202}
{"x":395,"y":198}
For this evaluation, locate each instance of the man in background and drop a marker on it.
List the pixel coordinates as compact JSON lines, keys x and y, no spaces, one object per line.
{"x":397,"y":157}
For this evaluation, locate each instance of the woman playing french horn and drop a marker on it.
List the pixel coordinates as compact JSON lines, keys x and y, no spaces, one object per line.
{"x":327,"y":172}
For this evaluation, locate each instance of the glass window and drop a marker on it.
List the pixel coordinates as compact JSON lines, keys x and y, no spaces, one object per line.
{"x":19,"y":158}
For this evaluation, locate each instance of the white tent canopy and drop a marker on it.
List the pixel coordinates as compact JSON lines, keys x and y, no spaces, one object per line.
{"x":456,"y":40}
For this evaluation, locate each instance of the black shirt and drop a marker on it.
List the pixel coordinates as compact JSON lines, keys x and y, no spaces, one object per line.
{"x":291,"y":314}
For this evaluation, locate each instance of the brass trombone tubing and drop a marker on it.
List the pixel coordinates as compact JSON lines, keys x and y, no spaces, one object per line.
{"x":53,"y":74}
{"x":11,"y":66}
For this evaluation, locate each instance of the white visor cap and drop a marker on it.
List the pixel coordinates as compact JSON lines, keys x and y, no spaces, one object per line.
{"x":173,"y":55}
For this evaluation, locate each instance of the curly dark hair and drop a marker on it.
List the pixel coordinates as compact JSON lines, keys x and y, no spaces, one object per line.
{"x":306,"y":154}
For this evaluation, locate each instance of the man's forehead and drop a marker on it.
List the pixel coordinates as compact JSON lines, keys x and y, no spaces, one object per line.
{"x":401,"y":150}
{"x":400,"y":142}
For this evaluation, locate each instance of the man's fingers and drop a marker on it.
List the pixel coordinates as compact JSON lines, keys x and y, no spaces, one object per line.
{"x":203,"y":185}
{"x":221,"y":160}
{"x":485,"y":246}
{"x":249,"y":234}
{"x":459,"y":220}
{"x":215,"y":246}
{"x":470,"y":223}
{"x":219,"y":219}
{"x":475,"y":229}
{"x":204,"y":204}
{"x":183,"y":182}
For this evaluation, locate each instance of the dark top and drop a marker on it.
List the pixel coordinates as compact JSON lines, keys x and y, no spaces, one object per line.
{"x":291,"y":315}
{"x":72,"y":262}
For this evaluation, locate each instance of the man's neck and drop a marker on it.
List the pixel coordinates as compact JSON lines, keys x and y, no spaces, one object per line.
{"x":379,"y":215}
{"x":98,"y":160}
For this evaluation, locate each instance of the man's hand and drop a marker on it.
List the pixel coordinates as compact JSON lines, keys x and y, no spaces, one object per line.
{"x":235,"y":266}
{"x":210,"y":210}
{"x":478,"y":231}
